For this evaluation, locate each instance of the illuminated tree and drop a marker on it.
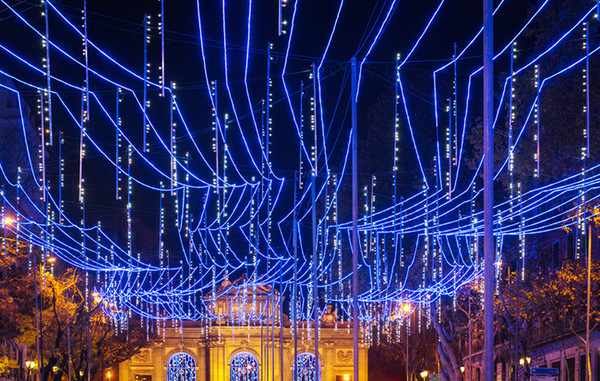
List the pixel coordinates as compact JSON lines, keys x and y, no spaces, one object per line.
{"x":67,"y":315}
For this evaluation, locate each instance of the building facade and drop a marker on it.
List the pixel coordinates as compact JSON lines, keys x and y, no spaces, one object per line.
{"x":225,"y":350}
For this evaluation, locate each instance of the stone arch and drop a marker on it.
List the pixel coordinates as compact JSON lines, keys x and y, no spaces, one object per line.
{"x":306,"y":365}
{"x":243,"y":349}
{"x":181,"y":366}
{"x":244,"y":366}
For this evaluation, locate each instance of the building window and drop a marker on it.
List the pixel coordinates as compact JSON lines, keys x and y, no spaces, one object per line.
{"x":181,"y":367}
{"x":571,"y":245}
{"x":555,"y":255}
{"x":306,"y":367}
{"x":244,"y":367}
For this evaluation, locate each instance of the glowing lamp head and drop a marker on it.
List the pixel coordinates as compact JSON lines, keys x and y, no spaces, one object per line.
{"x":424,"y":374}
{"x":7,"y":221}
{"x":462,"y":369}
{"x":346,"y":377}
{"x":406,"y":308}
{"x":96,"y":296}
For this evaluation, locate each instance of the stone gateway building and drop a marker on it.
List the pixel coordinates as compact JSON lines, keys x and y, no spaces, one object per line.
{"x":229,"y":350}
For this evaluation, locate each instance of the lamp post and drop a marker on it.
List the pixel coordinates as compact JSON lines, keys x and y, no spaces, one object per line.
{"x":406,"y":309}
{"x":424,"y":375}
{"x":30,"y":365}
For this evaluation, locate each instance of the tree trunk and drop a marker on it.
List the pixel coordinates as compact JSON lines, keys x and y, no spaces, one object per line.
{"x":450,"y":368}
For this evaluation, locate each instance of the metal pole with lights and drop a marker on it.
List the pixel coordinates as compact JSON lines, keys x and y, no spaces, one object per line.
{"x":354,"y":221}
{"x":488,"y":189}
{"x":406,"y":308}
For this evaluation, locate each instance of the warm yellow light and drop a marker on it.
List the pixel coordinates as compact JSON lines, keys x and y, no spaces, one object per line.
{"x":528,"y":359}
{"x":7,"y":220}
{"x":346,"y":377}
{"x":96,"y":296}
{"x":406,"y":307}
{"x":54,"y":369}
{"x":522,"y":362}
{"x":462,"y":369}
{"x":108,"y":374}
{"x":30,"y":364}
{"x":424,"y":374}
{"x":51,"y":259}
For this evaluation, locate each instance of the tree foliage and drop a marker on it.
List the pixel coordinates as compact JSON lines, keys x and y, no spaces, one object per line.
{"x":69,"y":316}
{"x":528,"y":312}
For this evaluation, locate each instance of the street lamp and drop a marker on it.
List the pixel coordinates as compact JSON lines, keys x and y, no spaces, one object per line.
{"x":30,"y":365}
{"x":7,"y":221}
{"x":424,"y":374}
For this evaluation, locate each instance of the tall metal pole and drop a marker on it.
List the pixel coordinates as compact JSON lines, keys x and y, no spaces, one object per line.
{"x":38,"y":328}
{"x":587,"y":315}
{"x":488,"y":184}
{"x":406,"y":344}
{"x":314,"y":230}
{"x":295,"y":289}
{"x":354,"y":222}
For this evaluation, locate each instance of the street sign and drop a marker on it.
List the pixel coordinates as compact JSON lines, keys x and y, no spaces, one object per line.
{"x":435,"y":377}
{"x":543,"y":378}
{"x":544,"y":371}
{"x":544,"y":374}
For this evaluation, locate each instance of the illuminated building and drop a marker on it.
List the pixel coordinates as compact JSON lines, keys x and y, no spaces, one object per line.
{"x":230,"y":348}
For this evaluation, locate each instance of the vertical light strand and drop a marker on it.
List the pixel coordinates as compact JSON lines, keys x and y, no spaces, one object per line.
{"x":584,"y":149}
{"x":521,"y":232}
{"x":587,"y":88}
{"x":173,"y":139}
{"x":281,"y":22}
{"x":43,"y":149}
{"x":118,"y":121}
{"x":146,"y":124}
{"x":395,"y":161}
{"x":129,"y":191}
{"x":86,"y":56}
{"x":455,"y":109}
{"x":449,"y":148}
{"x":536,"y":118}
{"x":301,"y":135}
{"x":17,"y":217}
{"x":81,"y":144}
{"x":161,"y":229}
{"x":511,"y":120}
{"x":161,"y":32}
{"x":268,"y":144}
{"x":314,"y":118}
{"x":48,"y":89}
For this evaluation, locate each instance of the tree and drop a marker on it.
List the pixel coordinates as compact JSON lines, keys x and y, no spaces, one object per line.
{"x":388,"y":356}
{"x":541,"y":305}
{"x":70,"y":315}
